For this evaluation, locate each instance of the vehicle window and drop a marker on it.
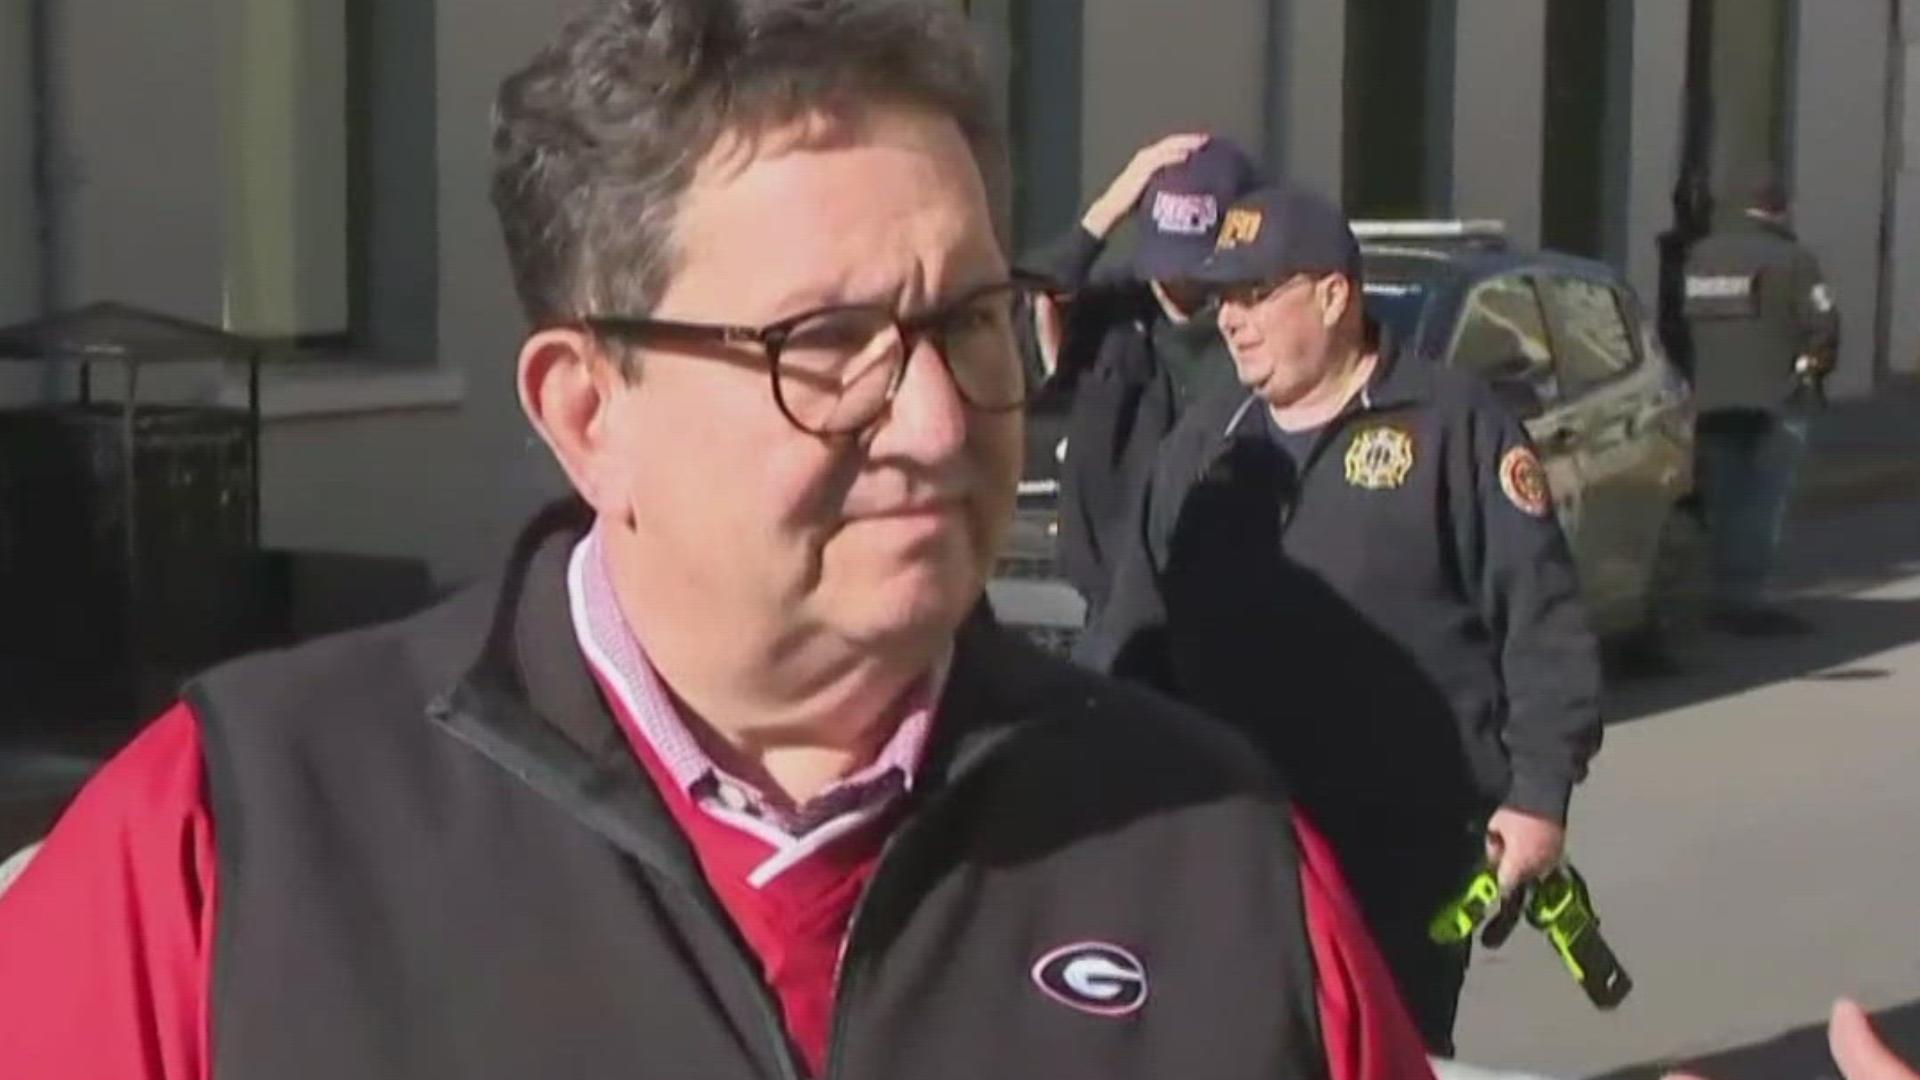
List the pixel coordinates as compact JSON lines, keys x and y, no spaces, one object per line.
{"x":1503,"y":336}
{"x":1594,"y":338}
{"x":1396,"y":305}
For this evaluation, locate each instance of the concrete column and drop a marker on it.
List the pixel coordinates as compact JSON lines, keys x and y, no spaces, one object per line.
{"x":1657,"y":84}
{"x":1837,"y":117}
{"x":19,"y":214}
{"x":1151,"y":67}
{"x":1499,"y":90}
{"x":285,"y":222}
{"x":1307,"y":97}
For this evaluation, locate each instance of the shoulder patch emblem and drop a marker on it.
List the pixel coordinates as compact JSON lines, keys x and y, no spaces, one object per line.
{"x":1379,"y":458}
{"x":1524,"y":480}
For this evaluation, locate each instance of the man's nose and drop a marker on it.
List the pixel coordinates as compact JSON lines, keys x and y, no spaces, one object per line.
{"x":927,"y":418}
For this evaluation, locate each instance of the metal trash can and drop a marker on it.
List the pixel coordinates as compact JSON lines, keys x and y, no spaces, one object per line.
{"x":117,"y":516}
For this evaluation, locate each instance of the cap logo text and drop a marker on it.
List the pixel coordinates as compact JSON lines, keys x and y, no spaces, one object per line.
{"x":1185,"y":215}
{"x":1241,"y":228}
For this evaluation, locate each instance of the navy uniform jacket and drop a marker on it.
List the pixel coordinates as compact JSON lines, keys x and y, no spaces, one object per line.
{"x":1399,"y":628}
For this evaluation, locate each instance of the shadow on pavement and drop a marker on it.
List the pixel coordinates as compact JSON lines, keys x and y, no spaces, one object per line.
{"x":1847,"y":630}
{"x":1800,"y":1054}
{"x":1827,"y":563}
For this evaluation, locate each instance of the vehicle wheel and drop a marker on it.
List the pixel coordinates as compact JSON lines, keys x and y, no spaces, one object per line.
{"x":1677,"y":595}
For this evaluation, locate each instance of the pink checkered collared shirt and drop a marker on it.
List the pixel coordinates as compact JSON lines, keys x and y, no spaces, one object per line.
{"x":617,"y":657}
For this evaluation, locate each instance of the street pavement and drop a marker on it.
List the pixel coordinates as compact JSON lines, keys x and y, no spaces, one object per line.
{"x":1751,"y":834}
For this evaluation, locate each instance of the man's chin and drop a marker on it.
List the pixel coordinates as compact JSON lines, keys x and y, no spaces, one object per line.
{"x":919,"y":604}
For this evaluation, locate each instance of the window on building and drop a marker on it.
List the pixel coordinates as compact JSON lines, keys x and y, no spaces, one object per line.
{"x":1398,"y":152}
{"x":1503,"y":336}
{"x":1594,"y":339}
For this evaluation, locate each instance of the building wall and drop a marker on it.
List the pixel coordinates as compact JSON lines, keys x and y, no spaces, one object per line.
{"x":1499,"y":87}
{"x":19,"y":244}
{"x":447,"y":479}
{"x":1307,"y":93}
{"x":504,"y":472}
{"x":140,"y":85}
{"x":1838,"y":123}
{"x":1151,"y":67}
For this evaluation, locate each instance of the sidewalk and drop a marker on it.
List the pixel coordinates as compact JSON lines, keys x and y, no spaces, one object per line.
{"x":1864,"y":449}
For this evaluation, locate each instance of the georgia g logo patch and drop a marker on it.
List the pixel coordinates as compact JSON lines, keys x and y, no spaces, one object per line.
{"x":1524,"y":480}
{"x":1094,"y":978}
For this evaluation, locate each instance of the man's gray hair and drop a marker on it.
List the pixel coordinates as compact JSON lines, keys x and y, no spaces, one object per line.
{"x":596,"y":141}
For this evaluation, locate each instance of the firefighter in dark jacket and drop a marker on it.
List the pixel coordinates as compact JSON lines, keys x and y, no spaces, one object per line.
{"x":729,"y":774}
{"x":1133,"y":344}
{"x":1352,"y":557}
{"x":1765,"y":333}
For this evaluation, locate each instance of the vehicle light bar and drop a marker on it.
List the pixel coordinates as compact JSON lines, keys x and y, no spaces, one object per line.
{"x":1438,"y":229}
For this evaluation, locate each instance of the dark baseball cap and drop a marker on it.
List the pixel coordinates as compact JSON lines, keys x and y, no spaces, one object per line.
{"x":1180,"y":211}
{"x":1276,"y":232}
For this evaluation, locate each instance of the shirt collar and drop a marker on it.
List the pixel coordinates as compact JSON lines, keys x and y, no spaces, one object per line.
{"x":615,"y":653}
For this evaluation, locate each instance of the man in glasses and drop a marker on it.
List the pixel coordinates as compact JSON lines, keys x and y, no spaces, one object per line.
{"x":1352,"y":557}
{"x":731,"y":773}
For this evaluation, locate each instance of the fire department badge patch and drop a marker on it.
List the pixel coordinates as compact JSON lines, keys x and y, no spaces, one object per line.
{"x":1380,"y":458}
{"x":1524,"y":480}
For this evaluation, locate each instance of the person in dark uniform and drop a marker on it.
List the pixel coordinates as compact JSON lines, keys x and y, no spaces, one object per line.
{"x":1765,"y":331}
{"x":1352,"y":557}
{"x":1134,"y":343}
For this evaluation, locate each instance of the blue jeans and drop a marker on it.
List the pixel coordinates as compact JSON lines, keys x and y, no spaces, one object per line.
{"x":1745,"y":478}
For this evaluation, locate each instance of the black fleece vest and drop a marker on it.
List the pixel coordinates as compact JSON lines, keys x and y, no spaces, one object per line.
{"x":439,"y":859}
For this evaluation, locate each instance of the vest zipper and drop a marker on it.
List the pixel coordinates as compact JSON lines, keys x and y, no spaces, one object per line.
{"x":850,"y":968}
{"x":886,"y":868}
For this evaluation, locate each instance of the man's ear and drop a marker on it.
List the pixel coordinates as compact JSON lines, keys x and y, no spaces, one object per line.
{"x":1336,"y":297}
{"x":567,"y":387}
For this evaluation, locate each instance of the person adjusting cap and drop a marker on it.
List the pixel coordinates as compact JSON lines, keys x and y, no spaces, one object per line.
{"x":1182,"y":208}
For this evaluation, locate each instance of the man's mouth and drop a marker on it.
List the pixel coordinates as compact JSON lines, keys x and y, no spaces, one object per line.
{"x":918,"y":508}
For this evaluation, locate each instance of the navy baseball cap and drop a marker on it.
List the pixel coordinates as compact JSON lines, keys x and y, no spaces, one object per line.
{"x":1276,"y":232}
{"x":1180,"y":211}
